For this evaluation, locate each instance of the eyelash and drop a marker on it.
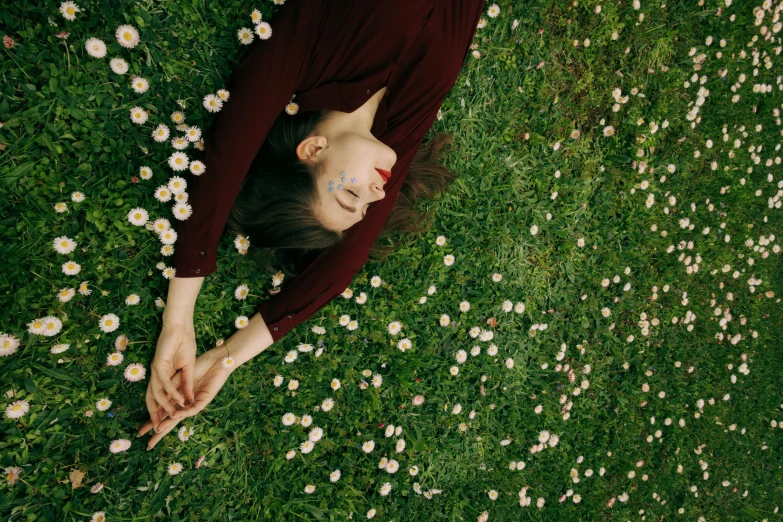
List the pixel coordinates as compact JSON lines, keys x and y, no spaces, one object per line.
{"x":369,"y":206}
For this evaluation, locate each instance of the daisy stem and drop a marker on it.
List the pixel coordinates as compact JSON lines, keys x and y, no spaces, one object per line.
{"x":17,"y":64}
{"x":68,"y":55}
{"x":42,"y":277}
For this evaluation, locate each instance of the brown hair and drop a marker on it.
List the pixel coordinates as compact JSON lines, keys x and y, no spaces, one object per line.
{"x":275,"y":205}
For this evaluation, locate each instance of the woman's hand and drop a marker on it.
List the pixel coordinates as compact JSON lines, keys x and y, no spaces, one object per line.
{"x":209,"y":375}
{"x":176,"y":350}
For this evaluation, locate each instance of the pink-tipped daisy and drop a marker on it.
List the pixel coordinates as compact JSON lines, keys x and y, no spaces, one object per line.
{"x":135,"y":372}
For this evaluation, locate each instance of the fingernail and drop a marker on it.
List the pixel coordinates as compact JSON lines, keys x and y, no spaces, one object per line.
{"x":149,"y":448}
{"x":138,"y":435}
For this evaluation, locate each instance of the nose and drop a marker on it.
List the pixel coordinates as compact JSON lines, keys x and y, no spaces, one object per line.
{"x":377,"y":191}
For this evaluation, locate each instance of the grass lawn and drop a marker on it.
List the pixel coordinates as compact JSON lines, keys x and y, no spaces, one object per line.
{"x":612,"y":339}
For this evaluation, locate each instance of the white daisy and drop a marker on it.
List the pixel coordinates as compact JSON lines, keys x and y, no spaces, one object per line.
{"x":245,"y":36}
{"x":182,"y":211}
{"x":178,"y":161}
{"x":193,"y":134}
{"x":163,"y":194}
{"x":197,"y":168}
{"x":64,"y":245}
{"x":161,"y":133}
{"x":77,"y":197}
{"x":132,"y":300}
{"x":263,"y":30}
{"x":127,"y":36}
{"x":103,"y":404}
{"x":223,"y":94}
{"x":180,"y":143}
{"x":71,"y":268}
{"x":95,"y":47}
{"x":177,"y":117}
{"x":119,"y":66}
{"x":109,"y":323}
{"x":117,"y":446}
{"x":255,"y":16}
{"x":212,"y":103}
{"x":138,"y":216}
{"x":140,"y":85}
{"x":113,"y":359}
{"x":69,"y":10}
{"x":292,"y":108}
{"x":138,"y":115}
{"x":175,"y":468}
{"x":493,"y":11}
{"x":8,"y":344}
{"x":135,"y":372}
{"x":17,"y":409}
{"x":60,"y":348}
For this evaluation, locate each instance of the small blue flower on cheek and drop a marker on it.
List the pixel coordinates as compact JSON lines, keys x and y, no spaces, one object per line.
{"x":340,"y":186}
{"x":331,"y":186}
{"x":353,"y":180}
{"x":342,"y":177}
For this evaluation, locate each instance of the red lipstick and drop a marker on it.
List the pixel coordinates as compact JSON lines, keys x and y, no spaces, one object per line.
{"x":384,"y":174}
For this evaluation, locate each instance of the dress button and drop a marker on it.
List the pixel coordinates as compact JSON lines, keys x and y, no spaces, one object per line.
{"x":367,"y":91}
{"x":198,"y":270}
{"x":275,"y":328}
{"x":289,"y":318}
{"x":202,"y":253}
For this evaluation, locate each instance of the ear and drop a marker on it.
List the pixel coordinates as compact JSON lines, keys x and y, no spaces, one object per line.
{"x":311,"y":148}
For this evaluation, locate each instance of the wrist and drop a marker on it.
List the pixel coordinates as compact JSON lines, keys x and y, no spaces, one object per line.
{"x":173,"y":320}
{"x":216,"y":356}
{"x":248,"y":342}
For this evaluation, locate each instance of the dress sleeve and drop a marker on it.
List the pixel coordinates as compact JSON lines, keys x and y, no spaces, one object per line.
{"x":329,"y":274}
{"x":260,"y":88}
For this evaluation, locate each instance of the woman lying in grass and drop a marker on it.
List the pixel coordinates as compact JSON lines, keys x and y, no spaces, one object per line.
{"x":308,"y":158}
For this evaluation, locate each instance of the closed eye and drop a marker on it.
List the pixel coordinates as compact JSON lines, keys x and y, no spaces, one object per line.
{"x":368,"y":206}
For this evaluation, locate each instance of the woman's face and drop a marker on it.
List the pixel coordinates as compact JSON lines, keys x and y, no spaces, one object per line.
{"x":349,"y":183}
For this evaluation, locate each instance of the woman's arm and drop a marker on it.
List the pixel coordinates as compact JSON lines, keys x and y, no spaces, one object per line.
{"x":181,"y":300}
{"x":251,"y":340}
{"x":261,"y":86}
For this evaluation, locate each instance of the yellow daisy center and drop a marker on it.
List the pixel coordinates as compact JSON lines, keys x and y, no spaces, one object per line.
{"x":16,"y":407}
{"x":262,"y":29}
{"x":127,"y":36}
{"x":178,"y":160}
{"x":108,"y":322}
{"x":161,"y":132}
{"x":96,"y":47}
{"x":134,"y":371}
{"x":50,"y":326}
{"x":64,"y":243}
{"x":70,"y":10}
{"x":137,"y":215}
{"x":212,"y":102}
